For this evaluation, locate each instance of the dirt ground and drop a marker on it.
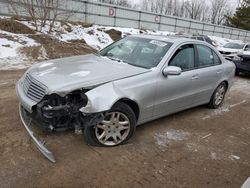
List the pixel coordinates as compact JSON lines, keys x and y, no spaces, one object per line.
{"x":195,"y":148}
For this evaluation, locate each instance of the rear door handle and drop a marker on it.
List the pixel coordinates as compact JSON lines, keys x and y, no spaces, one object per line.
{"x":195,"y":77}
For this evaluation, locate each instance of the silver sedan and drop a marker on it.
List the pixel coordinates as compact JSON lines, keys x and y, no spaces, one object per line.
{"x":130,"y":82}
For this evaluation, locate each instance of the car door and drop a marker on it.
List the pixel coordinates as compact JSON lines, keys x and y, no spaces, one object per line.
{"x":175,"y":92}
{"x":209,"y":73}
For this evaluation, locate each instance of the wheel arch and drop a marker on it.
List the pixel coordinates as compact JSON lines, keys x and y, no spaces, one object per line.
{"x":226,"y":82}
{"x":132,"y":104}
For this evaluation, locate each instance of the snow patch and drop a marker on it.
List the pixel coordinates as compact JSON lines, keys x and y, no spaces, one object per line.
{"x":162,"y":139}
{"x":234,"y":157}
{"x":213,"y":156}
{"x":222,"y":110}
{"x":10,"y":43}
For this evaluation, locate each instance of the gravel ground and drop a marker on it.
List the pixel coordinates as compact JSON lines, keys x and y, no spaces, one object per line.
{"x":195,"y":148}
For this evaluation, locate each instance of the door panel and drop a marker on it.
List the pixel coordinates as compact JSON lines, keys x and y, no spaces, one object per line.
{"x":206,"y":84}
{"x":210,"y":72}
{"x":175,"y":92}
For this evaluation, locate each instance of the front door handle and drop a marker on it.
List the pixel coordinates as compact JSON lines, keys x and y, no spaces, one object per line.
{"x":195,"y":77}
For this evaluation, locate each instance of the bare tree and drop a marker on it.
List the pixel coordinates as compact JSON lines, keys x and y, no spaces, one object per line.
{"x":218,"y":8}
{"x":194,"y":9}
{"x":40,"y":12}
{"x":213,"y":11}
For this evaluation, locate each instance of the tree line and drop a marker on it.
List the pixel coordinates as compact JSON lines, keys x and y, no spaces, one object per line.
{"x":221,"y":12}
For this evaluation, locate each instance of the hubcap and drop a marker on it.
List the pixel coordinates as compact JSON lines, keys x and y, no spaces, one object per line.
{"x":113,"y":129}
{"x":219,"y":95}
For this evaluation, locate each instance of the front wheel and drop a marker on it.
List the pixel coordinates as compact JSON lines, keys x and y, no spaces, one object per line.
{"x":117,"y":127}
{"x":218,"y":96}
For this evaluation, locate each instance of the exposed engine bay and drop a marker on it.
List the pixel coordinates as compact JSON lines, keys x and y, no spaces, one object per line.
{"x":56,"y":113}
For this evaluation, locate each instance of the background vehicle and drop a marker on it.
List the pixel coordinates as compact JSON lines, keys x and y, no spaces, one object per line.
{"x":242,"y":62}
{"x":204,"y":38}
{"x":231,"y":49}
{"x":130,"y":82}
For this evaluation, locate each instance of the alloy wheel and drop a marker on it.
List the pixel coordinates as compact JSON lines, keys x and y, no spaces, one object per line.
{"x":219,"y":95}
{"x":113,"y":130}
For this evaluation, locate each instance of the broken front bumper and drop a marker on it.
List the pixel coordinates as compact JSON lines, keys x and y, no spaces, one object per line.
{"x":39,"y":144}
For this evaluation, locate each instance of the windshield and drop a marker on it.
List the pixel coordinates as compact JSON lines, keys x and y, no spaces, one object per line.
{"x":141,"y":52}
{"x":234,"y":45}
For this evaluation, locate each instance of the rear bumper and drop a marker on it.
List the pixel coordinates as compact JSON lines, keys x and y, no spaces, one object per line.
{"x":39,"y":144}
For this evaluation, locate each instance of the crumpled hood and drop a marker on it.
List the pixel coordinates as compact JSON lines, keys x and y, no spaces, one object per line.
{"x":86,"y":71}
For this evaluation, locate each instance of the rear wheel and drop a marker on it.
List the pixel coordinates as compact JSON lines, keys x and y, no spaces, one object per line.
{"x":237,"y":72}
{"x":218,"y":96}
{"x":117,"y":127}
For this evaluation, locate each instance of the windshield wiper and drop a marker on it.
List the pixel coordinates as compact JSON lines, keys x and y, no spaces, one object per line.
{"x":137,"y":65}
{"x":115,"y":59}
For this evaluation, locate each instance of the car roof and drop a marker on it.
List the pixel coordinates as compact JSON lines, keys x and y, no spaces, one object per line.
{"x":166,"y":38}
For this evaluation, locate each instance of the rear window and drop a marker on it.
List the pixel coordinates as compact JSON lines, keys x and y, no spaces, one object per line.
{"x":205,"y":56}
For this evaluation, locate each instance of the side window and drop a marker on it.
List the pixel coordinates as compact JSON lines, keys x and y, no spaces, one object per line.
{"x":183,"y":57}
{"x":205,"y":56}
{"x":217,"y":60}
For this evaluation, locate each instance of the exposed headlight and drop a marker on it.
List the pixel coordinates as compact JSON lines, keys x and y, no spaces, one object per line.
{"x":237,"y":58}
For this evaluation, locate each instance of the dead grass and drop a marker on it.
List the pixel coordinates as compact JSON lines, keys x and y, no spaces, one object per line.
{"x":114,"y":34}
{"x":15,"y":27}
{"x":55,"y":48}
{"x":33,"y":53}
{"x":83,"y":24}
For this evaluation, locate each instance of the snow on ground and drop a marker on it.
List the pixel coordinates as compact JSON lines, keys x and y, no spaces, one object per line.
{"x":10,"y":43}
{"x":95,"y":36}
{"x":223,"y":109}
{"x":92,"y":36}
{"x":9,"y":47}
{"x":162,"y":139}
{"x":132,"y":31}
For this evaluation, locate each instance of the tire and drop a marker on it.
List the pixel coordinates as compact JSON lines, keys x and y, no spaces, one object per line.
{"x":219,"y":92}
{"x":120,"y":130}
{"x":237,"y":72}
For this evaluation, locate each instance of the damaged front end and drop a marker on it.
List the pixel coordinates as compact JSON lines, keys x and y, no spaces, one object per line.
{"x":57,"y":113}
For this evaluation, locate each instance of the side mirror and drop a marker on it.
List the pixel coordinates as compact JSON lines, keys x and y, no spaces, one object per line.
{"x":246,"y":49}
{"x":171,"y":70}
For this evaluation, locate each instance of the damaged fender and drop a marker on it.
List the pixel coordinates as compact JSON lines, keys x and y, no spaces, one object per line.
{"x":102,"y":98}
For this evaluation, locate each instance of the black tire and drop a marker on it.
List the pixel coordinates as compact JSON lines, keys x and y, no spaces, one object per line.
{"x":237,"y":72}
{"x":89,"y":132}
{"x":212,"y":104}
